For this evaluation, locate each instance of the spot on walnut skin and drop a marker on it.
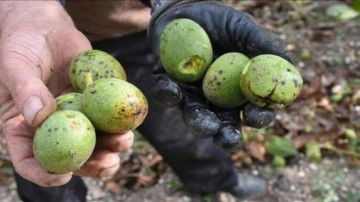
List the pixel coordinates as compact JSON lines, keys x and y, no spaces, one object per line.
{"x":296,"y":83}
{"x":72,"y":154}
{"x":266,"y":99}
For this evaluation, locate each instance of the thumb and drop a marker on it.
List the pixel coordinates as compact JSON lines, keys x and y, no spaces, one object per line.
{"x":31,"y":76}
{"x":30,"y":95}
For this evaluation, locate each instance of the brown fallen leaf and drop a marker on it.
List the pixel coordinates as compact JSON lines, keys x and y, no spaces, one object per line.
{"x":113,"y":187}
{"x":300,"y":140}
{"x":355,"y":99}
{"x":256,"y":150}
{"x":154,"y":159}
{"x":144,"y":181}
{"x":236,"y":156}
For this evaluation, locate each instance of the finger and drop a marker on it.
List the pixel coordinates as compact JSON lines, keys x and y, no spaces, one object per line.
{"x":29,"y":65}
{"x":198,"y":118}
{"x":257,"y":117}
{"x":201,"y":122}
{"x":20,"y":146}
{"x":197,"y":115}
{"x":165,"y":90}
{"x":31,"y":97}
{"x":115,"y":142}
{"x":23,"y":66}
{"x":101,"y":164}
{"x":255,"y":39}
{"x":29,"y":169}
{"x":64,"y":45}
{"x":229,"y":135}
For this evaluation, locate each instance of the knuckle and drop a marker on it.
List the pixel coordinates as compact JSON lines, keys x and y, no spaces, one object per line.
{"x":21,"y":85}
{"x":109,"y":171}
{"x":124,"y":144}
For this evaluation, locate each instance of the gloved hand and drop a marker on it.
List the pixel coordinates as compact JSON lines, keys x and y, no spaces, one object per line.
{"x":38,"y":41}
{"x":229,"y":30}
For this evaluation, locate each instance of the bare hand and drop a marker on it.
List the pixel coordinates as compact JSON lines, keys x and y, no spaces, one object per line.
{"x":38,"y":41}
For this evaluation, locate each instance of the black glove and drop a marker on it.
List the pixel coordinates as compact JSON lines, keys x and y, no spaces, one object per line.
{"x":229,"y":30}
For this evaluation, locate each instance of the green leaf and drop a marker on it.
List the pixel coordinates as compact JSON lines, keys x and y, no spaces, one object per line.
{"x":350,"y":134}
{"x":352,"y":196}
{"x":278,"y":162}
{"x":313,"y":151}
{"x":176,"y":185}
{"x":279,"y":146}
{"x":341,"y":12}
{"x":305,"y":54}
{"x":356,"y":5}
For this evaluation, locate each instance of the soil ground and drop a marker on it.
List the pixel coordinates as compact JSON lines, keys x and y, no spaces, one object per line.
{"x":330,"y":180}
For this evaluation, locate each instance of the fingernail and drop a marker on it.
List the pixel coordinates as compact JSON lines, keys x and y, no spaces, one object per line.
{"x":31,"y":107}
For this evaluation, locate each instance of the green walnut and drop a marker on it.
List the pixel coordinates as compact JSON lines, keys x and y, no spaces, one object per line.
{"x":64,"y":141}
{"x":70,"y":101}
{"x":114,"y":105}
{"x":270,"y":81}
{"x":280,"y":146}
{"x":91,"y":65}
{"x":185,"y":50}
{"x":221,"y":81}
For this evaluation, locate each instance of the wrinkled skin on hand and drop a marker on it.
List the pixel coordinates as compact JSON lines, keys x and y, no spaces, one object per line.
{"x":38,"y":41}
{"x":229,"y":30}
